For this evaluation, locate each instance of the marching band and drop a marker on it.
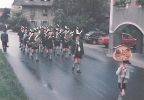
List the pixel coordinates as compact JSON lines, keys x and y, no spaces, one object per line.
{"x":48,"y":40}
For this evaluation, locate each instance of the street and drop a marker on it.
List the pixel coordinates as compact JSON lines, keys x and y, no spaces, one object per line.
{"x":54,"y":80}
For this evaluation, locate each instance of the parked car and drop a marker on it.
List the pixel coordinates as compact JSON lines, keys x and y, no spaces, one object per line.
{"x":127,"y":39}
{"x":93,"y":36}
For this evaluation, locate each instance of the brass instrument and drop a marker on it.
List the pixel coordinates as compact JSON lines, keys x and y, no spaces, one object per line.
{"x":30,"y":36}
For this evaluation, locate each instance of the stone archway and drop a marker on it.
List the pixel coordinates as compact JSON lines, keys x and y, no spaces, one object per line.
{"x":116,"y":37}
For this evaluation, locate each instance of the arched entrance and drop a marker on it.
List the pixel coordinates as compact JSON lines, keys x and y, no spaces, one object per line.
{"x":129,"y":28}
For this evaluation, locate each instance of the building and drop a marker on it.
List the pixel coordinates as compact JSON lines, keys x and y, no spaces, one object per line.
{"x":37,"y":12}
{"x":122,"y":14}
{"x":1,"y":12}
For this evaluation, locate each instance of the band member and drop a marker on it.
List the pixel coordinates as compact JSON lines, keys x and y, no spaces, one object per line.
{"x":35,"y":44}
{"x":21,"y":33}
{"x":57,"y":43}
{"x":65,"y":46}
{"x":77,"y":51}
{"x":25,"y":38}
{"x":69,"y":42}
{"x":42,"y":36}
{"x":123,"y":76}
{"x":49,"y":45}
{"x":62,"y":40}
{"x":29,"y":43}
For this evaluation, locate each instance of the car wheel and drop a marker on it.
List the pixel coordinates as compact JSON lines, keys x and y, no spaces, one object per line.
{"x":94,"y":42}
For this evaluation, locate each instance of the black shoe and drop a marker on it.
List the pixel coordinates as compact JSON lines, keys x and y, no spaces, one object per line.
{"x":58,"y":55}
{"x":72,"y":68}
{"x":37,"y":60}
{"x":69,"y":54}
{"x":78,"y":71}
{"x":50,"y":59}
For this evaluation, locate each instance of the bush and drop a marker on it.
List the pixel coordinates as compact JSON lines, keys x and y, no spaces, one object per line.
{"x":16,"y":28}
{"x":17,"y":23}
{"x":24,"y":22}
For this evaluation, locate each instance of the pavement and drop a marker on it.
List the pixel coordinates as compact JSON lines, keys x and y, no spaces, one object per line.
{"x":138,"y":60}
{"x":46,"y":80}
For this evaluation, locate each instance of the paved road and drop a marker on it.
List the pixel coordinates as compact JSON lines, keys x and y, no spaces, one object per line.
{"x":46,"y":80}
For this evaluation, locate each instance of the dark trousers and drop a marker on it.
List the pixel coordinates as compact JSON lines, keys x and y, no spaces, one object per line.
{"x":4,"y":44}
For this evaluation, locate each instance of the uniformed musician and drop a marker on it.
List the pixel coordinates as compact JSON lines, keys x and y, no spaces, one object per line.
{"x":77,"y":51}
{"x":29,"y":43}
{"x":57,"y":43}
{"x":35,"y":44}
{"x":21,"y":33}
{"x":25,"y":38}
{"x":49,"y":45}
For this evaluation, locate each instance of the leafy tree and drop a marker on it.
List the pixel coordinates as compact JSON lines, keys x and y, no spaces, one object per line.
{"x":17,"y":20}
{"x":86,"y":14}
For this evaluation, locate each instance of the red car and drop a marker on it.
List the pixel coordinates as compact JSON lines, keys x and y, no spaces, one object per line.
{"x":127,"y":39}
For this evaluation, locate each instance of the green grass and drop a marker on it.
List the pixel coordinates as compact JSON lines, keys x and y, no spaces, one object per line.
{"x":10,"y":88}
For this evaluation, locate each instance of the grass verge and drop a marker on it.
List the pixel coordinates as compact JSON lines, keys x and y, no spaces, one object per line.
{"x":10,"y":88}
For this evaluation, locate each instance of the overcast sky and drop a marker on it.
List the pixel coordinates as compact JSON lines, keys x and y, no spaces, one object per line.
{"x":6,"y":3}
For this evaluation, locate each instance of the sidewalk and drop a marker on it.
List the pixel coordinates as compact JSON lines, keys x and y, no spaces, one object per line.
{"x":138,"y":60}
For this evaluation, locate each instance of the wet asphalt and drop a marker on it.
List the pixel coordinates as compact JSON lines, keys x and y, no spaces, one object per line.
{"x":54,"y":80}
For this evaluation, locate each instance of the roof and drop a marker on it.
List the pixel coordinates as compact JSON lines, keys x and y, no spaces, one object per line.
{"x":32,"y":3}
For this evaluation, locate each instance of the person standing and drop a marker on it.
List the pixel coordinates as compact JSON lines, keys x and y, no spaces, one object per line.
{"x":4,"y":39}
{"x":77,"y":51}
{"x":123,"y":76}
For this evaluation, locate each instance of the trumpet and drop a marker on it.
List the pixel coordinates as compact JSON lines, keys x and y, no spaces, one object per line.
{"x":36,"y":38}
{"x":30,"y":36}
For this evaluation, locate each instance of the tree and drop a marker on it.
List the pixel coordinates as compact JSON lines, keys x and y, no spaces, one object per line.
{"x":16,"y":12}
{"x":86,"y":14}
{"x":16,"y":20}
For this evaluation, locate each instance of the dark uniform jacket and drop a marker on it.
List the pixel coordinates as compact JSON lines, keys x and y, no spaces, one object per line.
{"x":74,"y":48}
{"x":49,"y":42}
{"x":20,"y":33}
{"x":4,"y":37}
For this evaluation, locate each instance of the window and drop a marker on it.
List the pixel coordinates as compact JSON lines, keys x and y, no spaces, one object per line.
{"x":33,"y":23}
{"x":45,"y":23}
{"x":32,"y":13}
{"x":45,"y":12}
{"x":45,"y":0}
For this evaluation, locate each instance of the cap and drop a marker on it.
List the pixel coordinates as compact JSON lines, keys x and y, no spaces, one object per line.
{"x":126,"y":62}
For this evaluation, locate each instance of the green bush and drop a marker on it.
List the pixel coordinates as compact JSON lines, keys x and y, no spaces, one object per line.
{"x":17,"y":23}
